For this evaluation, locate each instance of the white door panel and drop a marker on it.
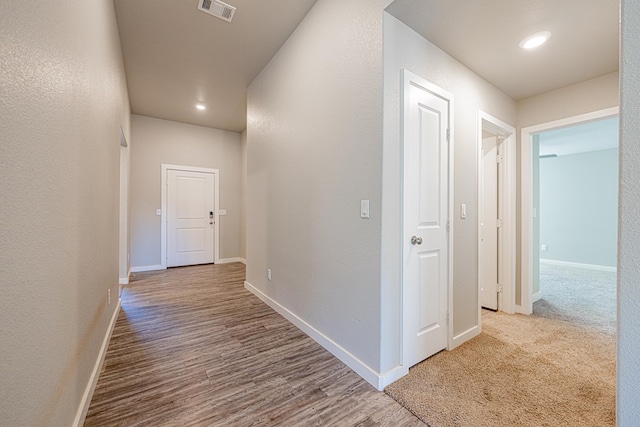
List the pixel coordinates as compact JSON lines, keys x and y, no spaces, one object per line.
{"x":190,"y":226}
{"x":426,"y":215}
{"x":488,"y":224}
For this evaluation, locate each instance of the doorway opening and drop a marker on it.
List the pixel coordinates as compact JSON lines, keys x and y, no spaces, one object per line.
{"x":534,"y":157}
{"x":496,"y":215}
{"x":575,"y":196}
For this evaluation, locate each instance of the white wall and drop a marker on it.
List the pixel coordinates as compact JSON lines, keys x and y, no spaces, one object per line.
{"x":314,"y":151}
{"x":581,"y":98}
{"x":579,"y":207}
{"x":628,"y":366}
{"x":404,"y":48}
{"x":159,"y":141}
{"x":63,"y":101}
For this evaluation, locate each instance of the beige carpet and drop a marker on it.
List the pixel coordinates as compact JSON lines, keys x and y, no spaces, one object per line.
{"x":521,"y":371}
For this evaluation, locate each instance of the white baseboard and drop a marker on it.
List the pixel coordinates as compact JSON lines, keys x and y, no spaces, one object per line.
{"x":579,"y":265}
{"x":95,"y":374}
{"x":536,"y":297}
{"x":331,"y":346}
{"x":459,"y":339}
{"x":142,"y":268}
{"x":125,"y":280}
{"x":521,"y":310}
{"x":391,"y":376}
{"x":230,"y":260}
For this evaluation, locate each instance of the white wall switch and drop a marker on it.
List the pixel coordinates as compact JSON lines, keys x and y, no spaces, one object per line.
{"x":159,"y":212}
{"x":544,"y":248}
{"x":268,"y":274}
{"x":222,"y":211}
{"x":463,"y":211}
{"x":364,"y":209}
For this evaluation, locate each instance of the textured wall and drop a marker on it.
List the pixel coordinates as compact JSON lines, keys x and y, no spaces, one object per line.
{"x":314,"y":151}
{"x":63,"y":99}
{"x":159,"y":141}
{"x":585,"y":97}
{"x":404,"y":48}
{"x":628,"y":370}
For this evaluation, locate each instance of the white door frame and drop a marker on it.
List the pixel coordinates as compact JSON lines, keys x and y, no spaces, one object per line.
{"x":123,"y":257}
{"x":163,"y":218}
{"x":526,"y":188}
{"x":407,"y":79}
{"x":507,"y":242}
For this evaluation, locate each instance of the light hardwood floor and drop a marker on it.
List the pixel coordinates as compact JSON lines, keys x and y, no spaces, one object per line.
{"x":192,"y":347}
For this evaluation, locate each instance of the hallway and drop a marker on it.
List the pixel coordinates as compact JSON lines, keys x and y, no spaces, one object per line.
{"x":192,"y":347}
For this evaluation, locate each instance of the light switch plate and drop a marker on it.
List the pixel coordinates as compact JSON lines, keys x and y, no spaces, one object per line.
{"x":159,"y":212}
{"x":222,"y":212}
{"x":364,"y":209}
{"x":463,"y":211}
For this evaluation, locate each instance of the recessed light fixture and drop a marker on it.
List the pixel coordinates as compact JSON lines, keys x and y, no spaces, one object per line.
{"x":535,"y":40}
{"x":201,"y":106}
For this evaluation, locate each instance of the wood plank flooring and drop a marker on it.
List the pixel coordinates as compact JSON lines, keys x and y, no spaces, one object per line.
{"x":192,"y":347}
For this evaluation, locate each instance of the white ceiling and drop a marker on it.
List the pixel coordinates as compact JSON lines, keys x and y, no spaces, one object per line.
{"x":591,"y":136}
{"x":176,"y":56}
{"x":484,"y":35}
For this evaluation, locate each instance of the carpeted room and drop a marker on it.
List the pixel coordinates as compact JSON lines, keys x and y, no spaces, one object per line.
{"x":557,"y":366}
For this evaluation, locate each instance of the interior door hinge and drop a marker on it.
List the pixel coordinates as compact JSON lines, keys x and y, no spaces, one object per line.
{"x":499,"y":158}
{"x":499,"y":287}
{"x":447,"y":320}
{"x":448,"y":226}
{"x":448,"y":134}
{"x":499,"y":223}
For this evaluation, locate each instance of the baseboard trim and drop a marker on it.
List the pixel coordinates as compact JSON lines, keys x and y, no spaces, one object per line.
{"x":97,"y":368}
{"x":125,"y":280}
{"x":143,"y":268}
{"x":359,"y":367}
{"x":579,"y":265}
{"x":230,"y":260}
{"x":460,"y":339}
{"x":536,"y":297}
{"x":392,"y":375}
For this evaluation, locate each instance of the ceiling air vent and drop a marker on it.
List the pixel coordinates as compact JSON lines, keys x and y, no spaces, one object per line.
{"x":217,"y":8}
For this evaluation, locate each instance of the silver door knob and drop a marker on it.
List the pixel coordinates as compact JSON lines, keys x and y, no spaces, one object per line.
{"x":416,"y":240}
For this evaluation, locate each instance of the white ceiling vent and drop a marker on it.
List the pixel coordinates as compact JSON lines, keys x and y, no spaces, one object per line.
{"x":217,"y":9}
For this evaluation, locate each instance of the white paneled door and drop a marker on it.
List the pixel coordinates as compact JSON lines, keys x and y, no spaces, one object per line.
{"x":190,"y":218}
{"x":426,"y":220}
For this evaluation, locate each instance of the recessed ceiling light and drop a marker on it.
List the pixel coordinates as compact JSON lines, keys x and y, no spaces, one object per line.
{"x":535,"y":40}
{"x":201,"y":107}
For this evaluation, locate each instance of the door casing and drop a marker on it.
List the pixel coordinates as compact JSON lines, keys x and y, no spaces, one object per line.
{"x":507,"y":197}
